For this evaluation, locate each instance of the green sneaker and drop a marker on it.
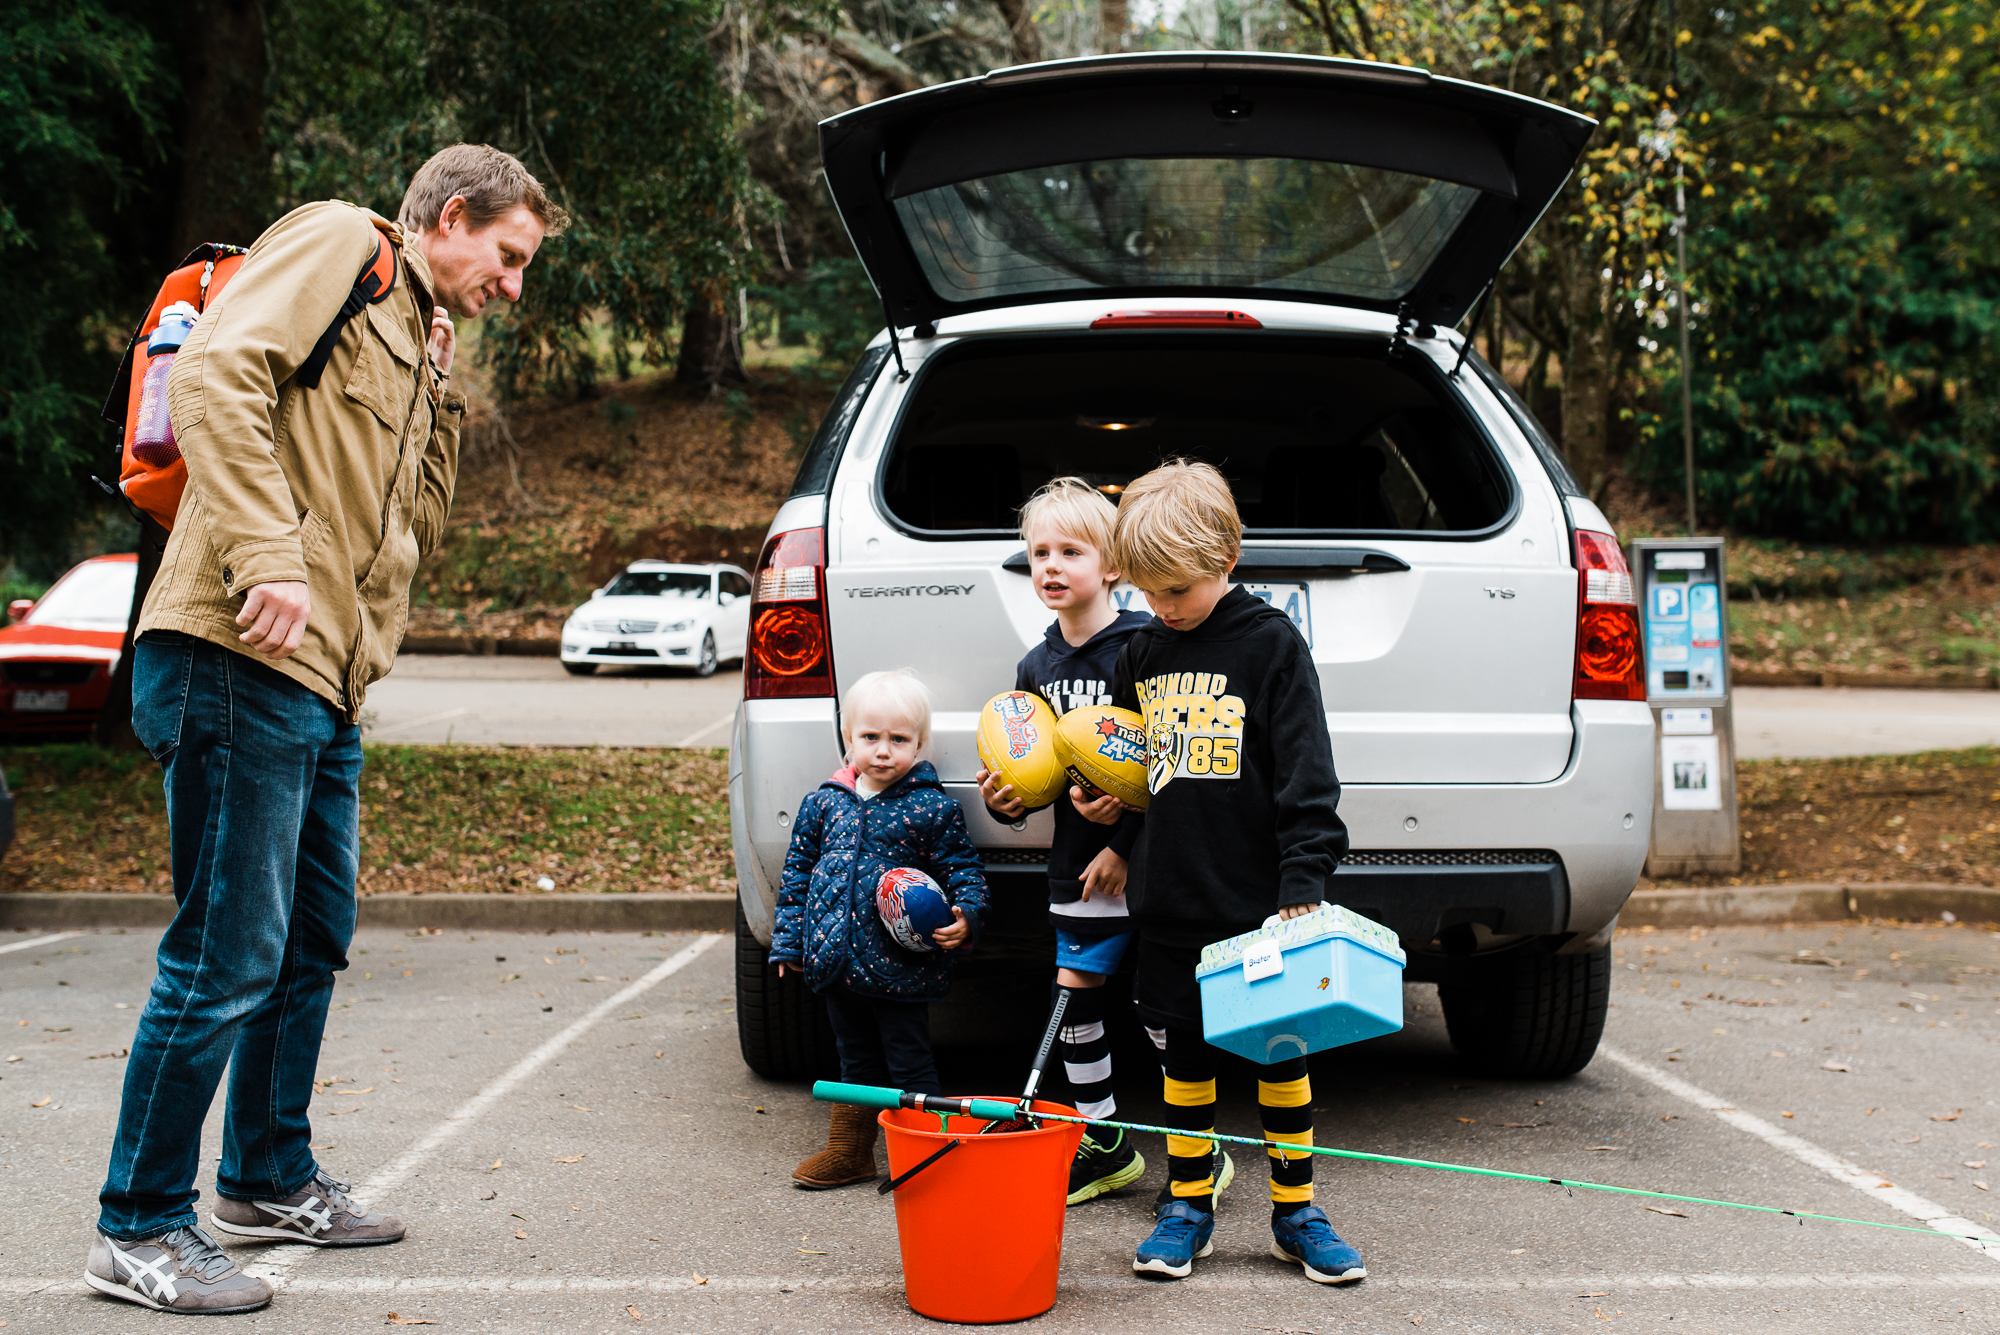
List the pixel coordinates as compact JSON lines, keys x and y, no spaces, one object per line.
{"x":1100,"y":1168}
{"x":1224,"y":1175}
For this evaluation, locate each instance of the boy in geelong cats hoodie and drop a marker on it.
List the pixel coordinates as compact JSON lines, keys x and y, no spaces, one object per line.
{"x":1242,"y":825}
{"x":1067,"y":526}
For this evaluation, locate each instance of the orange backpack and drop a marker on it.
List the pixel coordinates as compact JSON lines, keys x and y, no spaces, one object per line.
{"x":153,"y":488}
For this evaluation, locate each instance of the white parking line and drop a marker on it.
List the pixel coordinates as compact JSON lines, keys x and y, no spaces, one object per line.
{"x":700,"y":733}
{"x":277,"y":1266}
{"x":1593,"y":1285}
{"x":39,"y":941}
{"x":1878,"y":1188}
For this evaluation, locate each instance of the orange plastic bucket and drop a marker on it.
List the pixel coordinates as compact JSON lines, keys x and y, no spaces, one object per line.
{"x":981,"y":1229}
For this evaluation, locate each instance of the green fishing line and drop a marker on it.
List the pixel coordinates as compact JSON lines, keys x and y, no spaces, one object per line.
{"x":1285,"y":1148}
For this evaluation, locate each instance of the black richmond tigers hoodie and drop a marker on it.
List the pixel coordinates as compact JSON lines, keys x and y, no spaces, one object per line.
{"x":1244,"y":815}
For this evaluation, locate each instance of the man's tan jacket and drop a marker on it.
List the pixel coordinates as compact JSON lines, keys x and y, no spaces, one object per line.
{"x":343,"y":486}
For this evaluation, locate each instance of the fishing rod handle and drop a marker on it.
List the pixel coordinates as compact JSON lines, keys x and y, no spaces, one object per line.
{"x":879,"y":1096}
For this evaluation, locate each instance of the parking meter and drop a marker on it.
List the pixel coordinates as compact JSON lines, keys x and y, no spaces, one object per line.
{"x":1684,"y":613}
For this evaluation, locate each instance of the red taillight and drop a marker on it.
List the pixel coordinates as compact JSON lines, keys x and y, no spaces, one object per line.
{"x":791,"y":653}
{"x":1609,"y":662}
{"x":1176,"y":320}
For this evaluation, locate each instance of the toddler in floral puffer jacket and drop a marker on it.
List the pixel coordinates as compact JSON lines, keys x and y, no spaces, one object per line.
{"x":884,"y":809}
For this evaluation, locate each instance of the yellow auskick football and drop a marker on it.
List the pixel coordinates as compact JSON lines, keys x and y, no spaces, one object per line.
{"x":1103,"y":749}
{"x":1017,"y":741}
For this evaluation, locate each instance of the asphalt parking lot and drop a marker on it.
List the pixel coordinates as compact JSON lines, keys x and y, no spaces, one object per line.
{"x":533,"y":702}
{"x":566,"y":1126}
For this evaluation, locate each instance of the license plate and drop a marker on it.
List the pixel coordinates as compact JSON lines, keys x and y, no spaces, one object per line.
{"x":1294,"y":600}
{"x":622,"y":644}
{"x":41,"y":702}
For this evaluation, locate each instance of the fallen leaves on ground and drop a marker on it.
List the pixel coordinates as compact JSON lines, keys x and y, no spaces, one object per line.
{"x":1950,"y":1116}
{"x":396,"y":1320}
{"x":1835,"y":1066}
{"x":634,"y":1312}
{"x":574,"y":1158}
{"x":1661,"y":1209}
{"x":43,"y":1104}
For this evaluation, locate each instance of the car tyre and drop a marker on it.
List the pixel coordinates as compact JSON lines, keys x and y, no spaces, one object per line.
{"x":706,"y":667}
{"x":780,"y":1025}
{"x":1525,"y":1015}
{"x":580,"y":669}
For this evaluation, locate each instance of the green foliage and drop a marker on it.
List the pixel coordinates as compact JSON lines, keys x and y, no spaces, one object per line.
{"x":514,"y":566}
{"x":1847,"y":383}
{"x":77,"y":83}
{"x":834,"y":306}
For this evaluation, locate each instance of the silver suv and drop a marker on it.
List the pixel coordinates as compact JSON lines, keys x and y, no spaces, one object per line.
{"x":1256,"y":260}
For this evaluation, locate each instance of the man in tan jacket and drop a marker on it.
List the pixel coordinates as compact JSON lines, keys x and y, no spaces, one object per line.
{"x":314,"y":486}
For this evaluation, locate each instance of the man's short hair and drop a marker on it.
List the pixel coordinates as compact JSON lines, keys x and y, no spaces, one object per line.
{"x":1074,"y":509}
{"x":492,"y":184}
{"x":1177,"y":524}
{"x":898,"y":691}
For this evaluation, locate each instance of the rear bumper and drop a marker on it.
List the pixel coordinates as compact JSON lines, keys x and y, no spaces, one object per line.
{"x":1595,"y":819}
{"x":1585,"y":832}
{"x":780,"y":751}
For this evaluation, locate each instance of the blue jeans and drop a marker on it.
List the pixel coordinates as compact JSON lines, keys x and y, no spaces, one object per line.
{"x":263,"y":804}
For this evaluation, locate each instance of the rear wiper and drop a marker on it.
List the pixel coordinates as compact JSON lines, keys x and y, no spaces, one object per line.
{"x":1352,"y":560}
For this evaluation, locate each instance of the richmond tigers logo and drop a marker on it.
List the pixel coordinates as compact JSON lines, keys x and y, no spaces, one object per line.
{"x":1194,"y":728}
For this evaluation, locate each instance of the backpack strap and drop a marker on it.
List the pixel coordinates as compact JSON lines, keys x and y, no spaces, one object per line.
{"x":372,"y":286}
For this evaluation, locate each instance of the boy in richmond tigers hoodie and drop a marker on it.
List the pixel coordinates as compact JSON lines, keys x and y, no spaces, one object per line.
{"x":1242,"y":824}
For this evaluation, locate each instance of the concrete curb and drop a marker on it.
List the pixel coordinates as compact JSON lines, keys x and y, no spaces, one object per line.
{"x":1892,"y":681}
{"x":510,"y":913}
{"x":1912,"y":901}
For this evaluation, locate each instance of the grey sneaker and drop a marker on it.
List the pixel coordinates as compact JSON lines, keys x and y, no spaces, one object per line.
{"x":181,"y":1270}
{"x":319,"y":1213}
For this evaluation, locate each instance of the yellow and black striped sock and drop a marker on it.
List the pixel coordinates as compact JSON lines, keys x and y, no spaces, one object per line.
{"x":1286,"y":1108}
{"x":1190,"y":1158}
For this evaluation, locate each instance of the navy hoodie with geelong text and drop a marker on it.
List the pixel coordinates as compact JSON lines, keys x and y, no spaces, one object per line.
{"x":1244,"y":816}
{"x":1076,"y":677}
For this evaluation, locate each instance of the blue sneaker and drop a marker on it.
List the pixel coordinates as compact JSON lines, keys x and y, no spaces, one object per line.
{"x":1305,"y":1238}
{"x":1181,"y":1235}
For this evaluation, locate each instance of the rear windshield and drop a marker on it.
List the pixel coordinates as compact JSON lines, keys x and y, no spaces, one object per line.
{"x":1279,"y":224}
{"x":662,"y":584}
{"x":1316,"y":435}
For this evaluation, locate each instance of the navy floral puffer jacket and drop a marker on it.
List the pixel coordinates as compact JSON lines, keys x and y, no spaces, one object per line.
{"x":842,"y":842}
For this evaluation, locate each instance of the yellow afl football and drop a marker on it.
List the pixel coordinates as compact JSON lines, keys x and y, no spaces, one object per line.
{"x":1103,"y":749}
{"x":1017,"y":741}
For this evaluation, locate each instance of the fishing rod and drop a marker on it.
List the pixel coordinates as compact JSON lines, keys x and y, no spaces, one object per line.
{"x":995,"y":1110}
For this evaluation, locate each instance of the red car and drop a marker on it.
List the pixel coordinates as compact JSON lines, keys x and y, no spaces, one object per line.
{"x":56,"y":660}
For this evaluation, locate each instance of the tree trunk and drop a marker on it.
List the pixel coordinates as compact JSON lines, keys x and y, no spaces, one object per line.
{"x":114,"y":723}
{"x":225,"y":173}
{"x":1021,"y":32}
{"x":1587,"y":371}
{"x":711,"y":347}
{"x":1117,"y":18}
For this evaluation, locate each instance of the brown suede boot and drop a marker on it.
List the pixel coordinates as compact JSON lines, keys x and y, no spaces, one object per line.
{"x":849,"y":1155}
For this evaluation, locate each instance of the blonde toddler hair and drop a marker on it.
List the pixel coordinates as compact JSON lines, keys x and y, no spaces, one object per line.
{"x":1074,"y":509}
{"x":899,"y":690}
{"x":1177,"y":524}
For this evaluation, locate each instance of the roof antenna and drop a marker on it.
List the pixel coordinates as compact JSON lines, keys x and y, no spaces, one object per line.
{"x":895,"y":344}
{"x":1478,"y":312}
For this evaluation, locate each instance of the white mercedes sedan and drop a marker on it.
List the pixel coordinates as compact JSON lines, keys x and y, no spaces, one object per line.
{"x":658,"y":614}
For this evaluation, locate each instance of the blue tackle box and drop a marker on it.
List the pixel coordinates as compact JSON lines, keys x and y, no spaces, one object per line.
{"x":1316,"y":981}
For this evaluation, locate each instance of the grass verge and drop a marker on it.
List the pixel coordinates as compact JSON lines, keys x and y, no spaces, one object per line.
{"x":1934,"y":816}
{"x":457,"y":819}
{"x":436,"y":819}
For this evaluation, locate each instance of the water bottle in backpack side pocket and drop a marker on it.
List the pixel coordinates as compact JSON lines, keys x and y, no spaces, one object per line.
{"x":153,"y":437}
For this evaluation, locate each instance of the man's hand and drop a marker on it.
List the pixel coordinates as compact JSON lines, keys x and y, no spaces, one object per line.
{"x":1290,"y":911}
{"x":1000,"y":797}
{"x":1101,"y":810}
{"x":954,"y":936}
{"x":444,"y":339}
{"x":1105,"y":875}
{"x":276,"y":615}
